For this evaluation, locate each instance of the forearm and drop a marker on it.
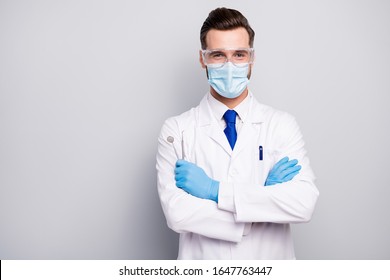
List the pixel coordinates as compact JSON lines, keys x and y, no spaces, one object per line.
{"x":186,"y":213}
{"x":289,"y":202}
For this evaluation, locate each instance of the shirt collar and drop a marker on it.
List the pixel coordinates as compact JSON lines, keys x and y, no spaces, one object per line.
{"x":219,"y":109}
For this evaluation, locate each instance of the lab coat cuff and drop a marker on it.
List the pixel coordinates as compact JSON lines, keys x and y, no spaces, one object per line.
{"x":226,"y":197}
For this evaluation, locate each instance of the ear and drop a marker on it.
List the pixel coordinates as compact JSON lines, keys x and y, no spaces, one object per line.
{"x":201,"y":60}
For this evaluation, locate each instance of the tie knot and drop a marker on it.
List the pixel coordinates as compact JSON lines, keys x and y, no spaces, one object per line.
{"x":230,"y":116}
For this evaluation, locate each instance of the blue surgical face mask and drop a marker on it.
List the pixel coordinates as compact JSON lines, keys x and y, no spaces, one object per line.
{"x":229,"y":80}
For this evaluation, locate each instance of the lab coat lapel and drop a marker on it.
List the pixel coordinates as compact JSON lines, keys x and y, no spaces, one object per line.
{"x":209,"y":125}
{"x":250,"y":129}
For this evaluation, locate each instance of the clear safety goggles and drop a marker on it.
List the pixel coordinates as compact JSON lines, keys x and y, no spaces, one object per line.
{"x":219,"y":57}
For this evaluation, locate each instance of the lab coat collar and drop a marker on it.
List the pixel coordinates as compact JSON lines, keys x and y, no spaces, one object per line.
{"x":247,"y":115}
{"x":218,"y":108}
{"x":209,"y":122}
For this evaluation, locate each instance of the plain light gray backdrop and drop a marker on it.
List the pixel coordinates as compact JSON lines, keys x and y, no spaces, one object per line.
{"x":86,"y":85}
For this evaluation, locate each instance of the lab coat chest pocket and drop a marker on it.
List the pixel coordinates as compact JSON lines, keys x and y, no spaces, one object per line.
{"x":264,"y":159}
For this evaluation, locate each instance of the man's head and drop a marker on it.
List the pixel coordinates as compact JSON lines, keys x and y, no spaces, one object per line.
{"x":225,"y":19}
{"x":227,"y":54}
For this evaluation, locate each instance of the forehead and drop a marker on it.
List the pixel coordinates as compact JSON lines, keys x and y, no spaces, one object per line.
{"x":219,"y":39}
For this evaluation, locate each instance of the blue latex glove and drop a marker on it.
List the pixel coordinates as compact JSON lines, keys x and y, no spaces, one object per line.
{"x":283,"y":171}
{"x":192,"y":179}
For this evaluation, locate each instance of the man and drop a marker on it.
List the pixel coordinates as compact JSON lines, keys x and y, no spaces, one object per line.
{"x":228,"y":175}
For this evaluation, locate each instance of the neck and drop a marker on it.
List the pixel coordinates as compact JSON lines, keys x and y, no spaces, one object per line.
{"x":229,"y":102}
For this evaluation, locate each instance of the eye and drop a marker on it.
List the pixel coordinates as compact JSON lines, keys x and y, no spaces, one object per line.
{"x":216,"y":55}
{"x":241,"y":54}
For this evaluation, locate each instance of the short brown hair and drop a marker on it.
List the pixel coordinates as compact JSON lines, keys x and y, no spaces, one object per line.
{"x":225,"y":19}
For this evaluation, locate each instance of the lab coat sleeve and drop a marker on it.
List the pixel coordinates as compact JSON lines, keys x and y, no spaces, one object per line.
{"x":289,"y":202}
{"x":184,"y":212}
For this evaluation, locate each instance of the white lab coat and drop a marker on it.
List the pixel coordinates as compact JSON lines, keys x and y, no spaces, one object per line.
{"x":249,"y":221}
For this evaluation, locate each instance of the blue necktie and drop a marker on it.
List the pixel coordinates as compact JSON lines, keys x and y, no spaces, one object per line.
{"x":230,"y":130}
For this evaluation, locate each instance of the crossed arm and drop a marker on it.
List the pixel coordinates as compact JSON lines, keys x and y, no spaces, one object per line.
{"x":287,"y":196}
{"x":192,"y":179}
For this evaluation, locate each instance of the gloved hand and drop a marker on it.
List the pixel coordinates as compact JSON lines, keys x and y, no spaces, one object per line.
{"x":283,"y":171}
{"x":192,"y":179}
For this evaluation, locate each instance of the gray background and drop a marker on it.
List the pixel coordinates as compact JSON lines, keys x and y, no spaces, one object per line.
{"x":86,"y":85}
